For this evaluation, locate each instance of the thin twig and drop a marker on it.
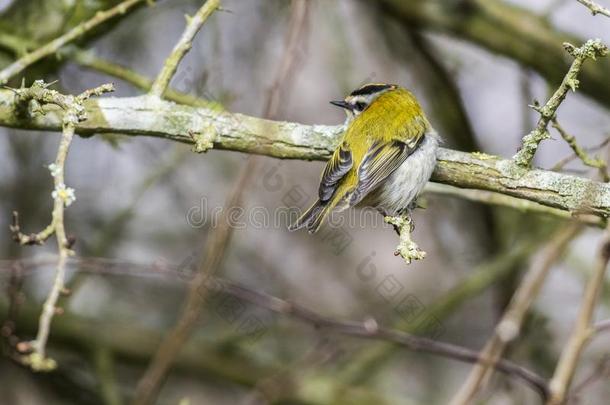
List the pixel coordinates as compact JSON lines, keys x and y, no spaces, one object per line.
{"x":595,"y":8}
{"x":89,"y":60}
{"x":510,"y":325}
{"x":560,"y":165}
{"x":53,"y":46}
{"x":590,"y":49}
{"x":583,"y":329}
{"x":594,"y":162}
{"x":184,"y":44}
{"x":214,"y":250}
{"x":602,"y":326}
{"x":600,"y":371}
{"x":63,"y":196}
{"x":8,"y":327}
{"x":367,"y":329}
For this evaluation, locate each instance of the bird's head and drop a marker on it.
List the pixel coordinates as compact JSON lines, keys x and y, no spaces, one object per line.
{"x":362,"y":97}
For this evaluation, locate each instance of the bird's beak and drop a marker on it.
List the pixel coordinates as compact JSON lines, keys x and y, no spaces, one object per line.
{"x":341,"y":104}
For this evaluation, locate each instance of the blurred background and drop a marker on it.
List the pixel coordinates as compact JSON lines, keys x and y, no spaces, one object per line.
{"x":143,"y":206}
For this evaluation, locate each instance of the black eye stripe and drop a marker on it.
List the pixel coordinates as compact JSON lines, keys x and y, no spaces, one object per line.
{"x":360,"y":105}
{"x":370,"y":89}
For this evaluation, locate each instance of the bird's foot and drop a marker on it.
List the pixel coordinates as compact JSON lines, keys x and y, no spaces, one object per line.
{"x":406,"y":248}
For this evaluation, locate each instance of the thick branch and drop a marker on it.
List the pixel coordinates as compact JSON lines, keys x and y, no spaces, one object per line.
{"x":286,"y":140}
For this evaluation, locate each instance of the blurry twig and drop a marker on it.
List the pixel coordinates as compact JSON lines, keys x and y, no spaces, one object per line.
{"x":559,"y":165}
{"x":214,"y":250}
{"x":448,"y":108}
{"x":590,"y":49}
{"x":581,"y":153}
{"x":52,"y":47}
{"x":595,"y":8}
{"x":368,"y":362}
{"x":8,"y":328}
{"x":279,"y":386}
{"x":89,"y":60}
{"x":583,"y":329}
{"x":602,"y":326}
{"x":601,"y":370}
{"x":63,"y":196}
{"x":510,"y":325}
{"x":184,"y":44}
{"x":103,"y":360}
{"x":368,"y":329}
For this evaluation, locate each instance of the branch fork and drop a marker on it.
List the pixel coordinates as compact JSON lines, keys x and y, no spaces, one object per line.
{"x":592,"y":49}
{"x":37,"y":96}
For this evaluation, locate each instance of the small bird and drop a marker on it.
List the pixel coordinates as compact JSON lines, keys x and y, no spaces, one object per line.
{"x":386,"y":156}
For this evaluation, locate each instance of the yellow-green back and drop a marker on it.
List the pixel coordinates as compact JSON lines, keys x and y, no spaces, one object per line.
{"x":394,"y":116}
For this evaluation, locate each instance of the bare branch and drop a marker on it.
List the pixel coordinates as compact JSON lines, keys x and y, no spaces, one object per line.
{"x":139,"y":116}
{"x":589,"y":50}
{"x":193,"y":25}
{"x":583,"y":329}
{"x":19,"y":65}
{"x":581,"y":153}
{"x":510,"y":325}
{"x":63,"y":196}
{"x":595,"y":8}
{"x":217,"y":244}
{"x":368,"y":329}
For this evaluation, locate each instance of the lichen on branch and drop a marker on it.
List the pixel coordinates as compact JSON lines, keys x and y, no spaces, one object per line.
{"x":31,"y":102}
{"x":150,"y":116}
{"x":591,"y":49}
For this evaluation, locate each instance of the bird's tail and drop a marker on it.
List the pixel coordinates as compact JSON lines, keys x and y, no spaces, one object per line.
{"x":312,"y":218}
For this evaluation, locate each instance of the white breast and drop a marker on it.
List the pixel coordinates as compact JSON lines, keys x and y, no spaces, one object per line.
{"x":402,"y":187}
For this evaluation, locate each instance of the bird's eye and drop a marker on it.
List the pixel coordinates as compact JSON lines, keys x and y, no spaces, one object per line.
{"x":360,"y":106}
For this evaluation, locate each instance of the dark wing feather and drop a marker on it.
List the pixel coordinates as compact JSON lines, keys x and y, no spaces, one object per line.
{"x":338,"y":165}
{"x":380,"y":161}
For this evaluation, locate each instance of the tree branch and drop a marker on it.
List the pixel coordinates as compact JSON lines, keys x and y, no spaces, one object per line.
{"x":216,"y":245}
{"x":509,"y":326}
{"x":63,"y":196}
{"x":19,"y":65}
{"x":367,"y":329}
{"x":148,"y":116}
{"x":590,"y":49}
{"x":595,"y":8}
{"x":583,"y":329}
{"x":193,"y":25}
{"x":581,"y":153}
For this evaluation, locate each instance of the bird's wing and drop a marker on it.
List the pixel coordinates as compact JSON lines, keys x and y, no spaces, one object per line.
{"x":379,"y":162}
{"x":337,"y":167}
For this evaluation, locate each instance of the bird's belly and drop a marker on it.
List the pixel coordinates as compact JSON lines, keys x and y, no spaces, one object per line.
{"x":402,"y":187}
